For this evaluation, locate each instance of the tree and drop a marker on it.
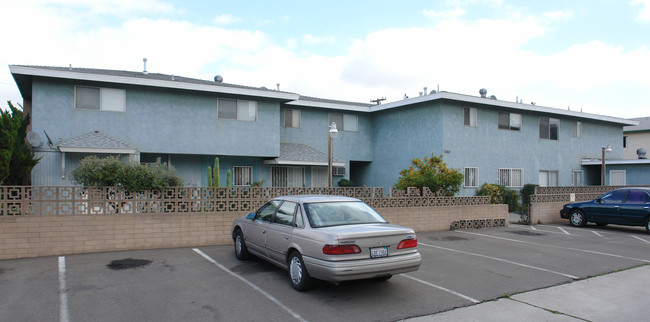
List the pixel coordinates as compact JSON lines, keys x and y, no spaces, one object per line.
{"x":432,"y":173}
{"x":16,"y":158}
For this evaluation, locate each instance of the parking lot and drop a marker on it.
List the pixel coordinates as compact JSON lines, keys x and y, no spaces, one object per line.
{"x":459,"y":268}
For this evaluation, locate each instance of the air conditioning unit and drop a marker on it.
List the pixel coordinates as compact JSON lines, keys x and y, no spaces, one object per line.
{"x":338,"y":171}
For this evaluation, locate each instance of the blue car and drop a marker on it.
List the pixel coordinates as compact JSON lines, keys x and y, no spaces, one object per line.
{"x":626,"y":206}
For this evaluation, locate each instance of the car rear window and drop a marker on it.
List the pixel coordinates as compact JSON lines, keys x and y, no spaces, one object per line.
{"x":637,"y":196}
{"x":326,"y":214}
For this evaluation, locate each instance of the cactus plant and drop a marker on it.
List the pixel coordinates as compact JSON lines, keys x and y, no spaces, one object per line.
{"x":229,"y":178}
{"x":213,"y":175}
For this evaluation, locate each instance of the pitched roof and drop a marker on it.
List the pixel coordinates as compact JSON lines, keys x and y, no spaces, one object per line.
{"x":301,"y":154}
{"x":644,"y":125}
{"x":96,"y":142}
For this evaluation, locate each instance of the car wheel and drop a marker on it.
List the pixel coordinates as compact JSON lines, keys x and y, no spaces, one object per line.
{"x":577,"y":218}
{"x":647,"y":224}
{"x":241,"y":251}
{"x":300,"y":279}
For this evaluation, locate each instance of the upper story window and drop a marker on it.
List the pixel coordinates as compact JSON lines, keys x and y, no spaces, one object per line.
{"x":509,"y":121}
{"x":577,"y":129}
{"x":291,"y":118}
{"x":548,"y":128}
{"x":237,"y":110}
{"x":99,"y":98}
{"x":470,"y":116}
{"x":345,"y":122}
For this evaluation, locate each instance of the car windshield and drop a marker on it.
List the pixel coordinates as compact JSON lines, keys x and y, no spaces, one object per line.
{"x":325,"y":214}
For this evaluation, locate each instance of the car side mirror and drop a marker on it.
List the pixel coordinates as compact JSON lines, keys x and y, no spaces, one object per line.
{"x":250,"y":216}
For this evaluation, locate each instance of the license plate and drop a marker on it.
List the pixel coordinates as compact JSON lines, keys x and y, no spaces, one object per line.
{"x":377,"y":252}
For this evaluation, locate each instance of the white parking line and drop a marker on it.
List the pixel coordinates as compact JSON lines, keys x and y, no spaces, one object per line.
{"x":63,"y":292}
{"x":442,"y":288}
{"x":553,"y":246}
{"x":641,"y":239}
{"x":597,"y":233}
{"x":255,"y":287}
{"x":562,"y":230}
{"x":501,"y":260}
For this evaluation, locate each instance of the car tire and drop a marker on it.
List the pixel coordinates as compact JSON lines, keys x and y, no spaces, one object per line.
{"x":298,"y":276}
{"x":241,"y":251}
{"x":647,"y":224}
{"x":577,"y":218}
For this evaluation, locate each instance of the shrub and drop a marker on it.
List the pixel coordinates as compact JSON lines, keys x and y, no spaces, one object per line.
{"x":500,"y":195}
{"x":432,"y":173}
{"x":133,"y":177}
{"x":345,"y":183}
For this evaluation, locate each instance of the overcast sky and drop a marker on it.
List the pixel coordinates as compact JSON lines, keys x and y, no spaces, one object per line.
{"x":584,"y":55}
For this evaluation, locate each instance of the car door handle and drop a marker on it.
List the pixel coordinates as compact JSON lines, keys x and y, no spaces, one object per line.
{"x":646,"y":207}
{"x":286,"y":237}
{"x":615,"y":206}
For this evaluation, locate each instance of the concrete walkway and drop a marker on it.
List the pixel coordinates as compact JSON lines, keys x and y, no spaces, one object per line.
{"x":620,"y":296}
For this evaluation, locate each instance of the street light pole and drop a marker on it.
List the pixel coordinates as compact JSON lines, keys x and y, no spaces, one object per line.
{"x":331,"y":135}
{"x":602,"y":176}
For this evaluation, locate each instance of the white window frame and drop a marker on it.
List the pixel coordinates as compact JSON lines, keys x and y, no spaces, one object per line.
{"x":470,"y":179}
{"x":319,"y":176}
{"x":284,"y":176}
{"x":294,"y":116}
{"x":240,"y":106}
{"x":513,"y":177}
{"x":242,"y":175}
{"x":109,"y":100}
{"x":578,"y":178}
{"x":545,"y":133}
{"x":349,"y":122}
{"x":577,"y":129}
{"x":514,"y":121}
{"x":470,"y":116}
{"x":549,"y":178}
{"x":617,"y":177}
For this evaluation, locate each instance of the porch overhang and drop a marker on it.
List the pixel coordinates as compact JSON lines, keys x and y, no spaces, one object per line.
{"x":296,"y":154}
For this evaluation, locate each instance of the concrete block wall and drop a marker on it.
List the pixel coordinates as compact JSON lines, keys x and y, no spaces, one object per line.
{"x":54,"y":235}
{"x":547,"y":212}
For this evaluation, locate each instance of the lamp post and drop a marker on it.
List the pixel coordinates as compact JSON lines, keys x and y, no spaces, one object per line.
{"x":604,"y":149}
{"x":331,"y":135}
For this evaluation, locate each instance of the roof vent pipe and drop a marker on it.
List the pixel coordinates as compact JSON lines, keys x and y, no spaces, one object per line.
{"x":425,"y":90}
{"x":483,"y":92}
{"x":144,"y":61}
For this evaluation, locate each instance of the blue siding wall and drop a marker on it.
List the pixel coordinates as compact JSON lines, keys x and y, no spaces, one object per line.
{"x":159,"y":122}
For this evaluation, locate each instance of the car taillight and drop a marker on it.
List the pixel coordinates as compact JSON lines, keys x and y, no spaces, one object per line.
{"x":341,"y":249}
{"x":407,"y":243}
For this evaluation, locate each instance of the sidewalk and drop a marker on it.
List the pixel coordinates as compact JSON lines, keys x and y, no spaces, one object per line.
{"x":620,"y":296}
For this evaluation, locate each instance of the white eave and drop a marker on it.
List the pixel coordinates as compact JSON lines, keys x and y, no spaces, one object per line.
{"x":329,"y":105}
{"x":42,"y":72}
{"x":615,"y":162}
{"x":97,"y":150}
{"x":502,"y":104}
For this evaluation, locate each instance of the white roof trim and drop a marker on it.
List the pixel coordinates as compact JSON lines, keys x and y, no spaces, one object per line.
{"x":615,"y":162}
{"x":327,"y":105}
{"x":503,"y":104}
{"x":97,"y":150}
{"x":311,"y":163}
{"x":34,"y":71}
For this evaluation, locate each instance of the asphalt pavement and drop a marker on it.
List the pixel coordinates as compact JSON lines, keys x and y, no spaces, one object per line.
{"x":618,"y":296}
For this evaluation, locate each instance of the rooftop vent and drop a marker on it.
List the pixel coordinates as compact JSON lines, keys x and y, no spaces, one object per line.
{"x":641,"y":153}
{"x":218,"y":79}
{"x":144,"y":61}
{"x":483,"y":92}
